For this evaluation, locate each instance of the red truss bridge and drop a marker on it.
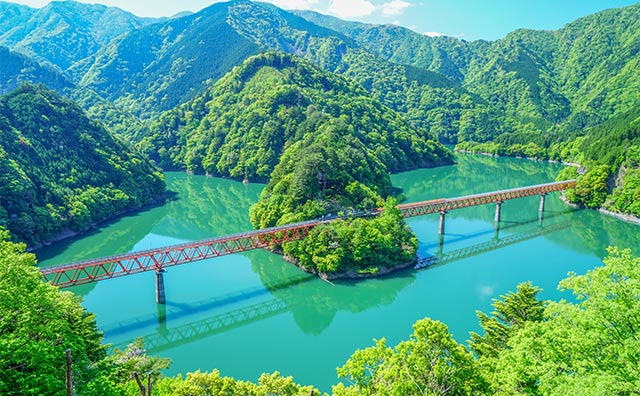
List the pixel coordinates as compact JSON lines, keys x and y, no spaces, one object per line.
{"x":447,"y":204}
{"x":158,"y":259}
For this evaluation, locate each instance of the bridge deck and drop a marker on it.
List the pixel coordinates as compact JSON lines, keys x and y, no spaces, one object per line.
{"x":159,"y":258}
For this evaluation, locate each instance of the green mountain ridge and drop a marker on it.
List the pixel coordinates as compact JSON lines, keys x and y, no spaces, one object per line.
{"x":158,"y":67}
{"x":59,"y":171}
{"x":162,"y":65}
{"x":17,"y":68}
{"x":242,"y":124}
{"x":64,"y":32}
{"x":578,"y":75}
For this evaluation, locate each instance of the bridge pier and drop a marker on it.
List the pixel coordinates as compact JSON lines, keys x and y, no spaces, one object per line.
{"x":542,"y":198}
{"x":498,"y":209}
{"x":441,"y":225}
{"x":496,"y":230}
{"x":160,"y":293}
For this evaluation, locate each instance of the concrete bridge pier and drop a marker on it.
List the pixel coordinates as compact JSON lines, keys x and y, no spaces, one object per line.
{"x":496,"y":230}
{"x":441,"y":225}
{"x":160,"y":293}
{"x":498,"y":209}
{"x":542,"y":198}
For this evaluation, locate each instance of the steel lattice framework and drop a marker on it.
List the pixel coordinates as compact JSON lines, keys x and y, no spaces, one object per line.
{"x":447,"y":204}
{"x":488,"y":246}
{"x":180,"y":335}
{"x":158,"y":259}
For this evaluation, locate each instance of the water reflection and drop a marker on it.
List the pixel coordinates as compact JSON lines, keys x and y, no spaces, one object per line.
{"x":312,"y":303}
{"x":251,"y":313}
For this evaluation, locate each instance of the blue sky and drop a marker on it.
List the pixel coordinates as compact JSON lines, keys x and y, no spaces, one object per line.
{"x":467,"y":19}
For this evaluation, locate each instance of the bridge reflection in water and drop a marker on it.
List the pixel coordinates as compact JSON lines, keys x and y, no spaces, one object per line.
{"x":160,"y":258}
{"x":166,"y":337}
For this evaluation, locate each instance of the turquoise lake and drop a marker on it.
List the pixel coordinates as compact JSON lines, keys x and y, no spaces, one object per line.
{"x":252,"y":313}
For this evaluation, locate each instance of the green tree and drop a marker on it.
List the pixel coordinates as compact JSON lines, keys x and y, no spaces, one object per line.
{"x":585,"y":347}
{"x":429,"y":363}
{"x":511,"y":312}
{"x":37,"y":324}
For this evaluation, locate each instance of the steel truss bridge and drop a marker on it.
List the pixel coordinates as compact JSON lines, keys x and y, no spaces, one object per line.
{"x":188,"y":332}
{"x":158,"y":259}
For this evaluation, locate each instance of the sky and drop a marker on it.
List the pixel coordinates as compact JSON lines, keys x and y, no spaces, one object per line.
{"x":465,"y":19}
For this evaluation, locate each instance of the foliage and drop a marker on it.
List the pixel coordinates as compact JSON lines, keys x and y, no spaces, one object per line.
{"x":429,"y":363}
{"x":17,"y":68}
{"x":37,"y":324}
{"x":586,"y":347}
{"x":512,"y":312}
{"x":357,"y":245}
{"x":60,"y":171}
{"x":242,"y":125}
{"x":204,"y":384}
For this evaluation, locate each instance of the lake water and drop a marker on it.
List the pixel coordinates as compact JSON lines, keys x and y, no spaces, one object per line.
{"x":252,"y":313}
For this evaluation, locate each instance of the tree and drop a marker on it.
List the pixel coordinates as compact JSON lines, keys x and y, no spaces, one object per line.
{"x":585,"y":347}
{"x":37,"y":324}
{"x":512,"y":312}
{"x":429,"y":363}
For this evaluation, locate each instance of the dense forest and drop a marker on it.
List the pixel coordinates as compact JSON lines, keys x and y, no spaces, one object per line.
{"x":60,"y":171}
{"x":241,"y":126}
{"x":525,"y":92}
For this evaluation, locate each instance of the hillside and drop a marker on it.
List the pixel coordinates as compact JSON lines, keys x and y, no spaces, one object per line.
{"x":61,"y":172}
{"x":17,"y":68}
{"x":162,"y":65}
{"x":242,"y":124}
{"x":574,"y":77}
{"x":63,"y":32}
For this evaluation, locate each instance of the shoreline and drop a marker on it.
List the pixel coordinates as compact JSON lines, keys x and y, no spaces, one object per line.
{"x":620,"y":216}
{"x":68,"y":233}
{"x":350,"y":275}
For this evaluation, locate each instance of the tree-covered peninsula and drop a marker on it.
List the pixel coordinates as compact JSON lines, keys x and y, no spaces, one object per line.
{"x":61,"y":172}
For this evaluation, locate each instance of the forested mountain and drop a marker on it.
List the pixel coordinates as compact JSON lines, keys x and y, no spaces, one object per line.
{"x":63,"y":32}
{"x":573,"y":77}
{"x":17,"y":68}
{"x":13,"y":15}
{"x":525,"y":92}
{"x":162,"y":65}
{"x":242,"y":124}
{"x":159,"y":66}
{"x":59,"y":171}
{"x":400,"y":45}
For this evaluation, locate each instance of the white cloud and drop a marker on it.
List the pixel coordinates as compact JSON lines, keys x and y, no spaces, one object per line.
{"x":395,"y":7}
{"x":294,"y":4}
{"x":351,"y":8}
{"x":433,"y":34}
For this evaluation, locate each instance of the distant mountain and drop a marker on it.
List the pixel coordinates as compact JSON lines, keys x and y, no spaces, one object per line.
{"x":242,"y":124}
{"x":573,"y":77}
{"x":400,"y":45}
{"x":60,"y":171}
{"x":162,"y":65}
{"x":17,"y":68}
{"x":64,"y":32}
{"x":13,"y":15}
